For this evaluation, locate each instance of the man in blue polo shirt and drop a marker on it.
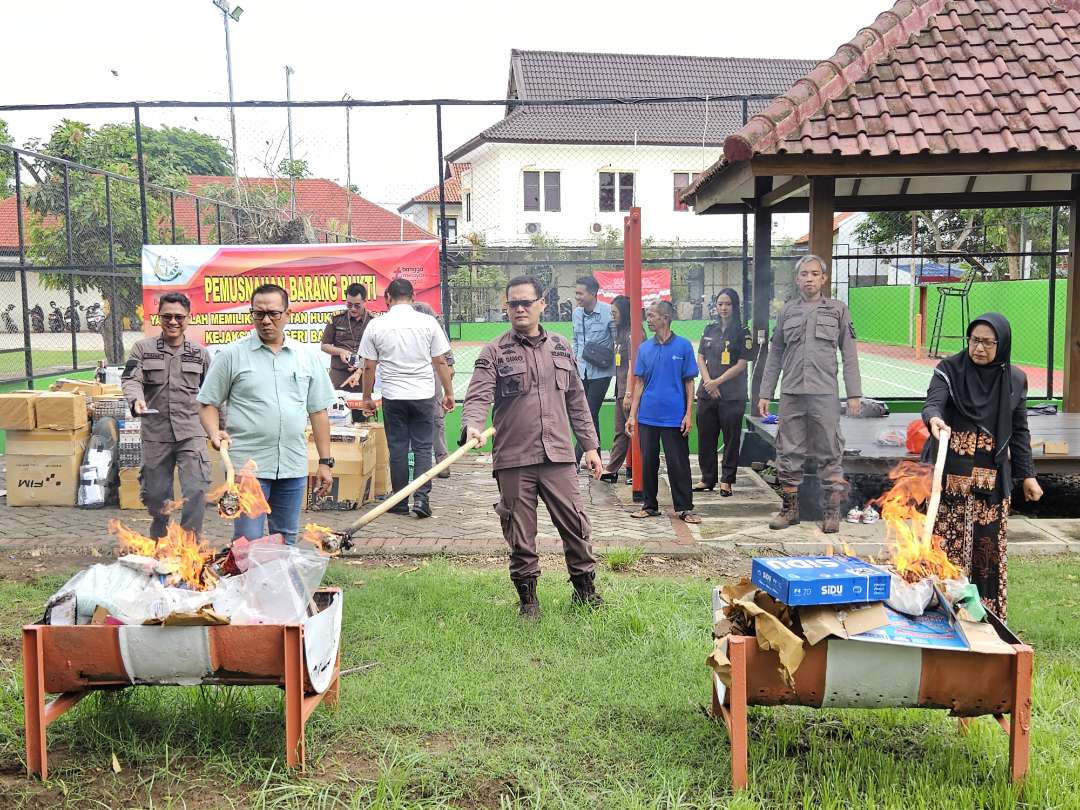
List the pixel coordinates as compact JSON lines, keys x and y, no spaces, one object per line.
{"x":662,"y":411}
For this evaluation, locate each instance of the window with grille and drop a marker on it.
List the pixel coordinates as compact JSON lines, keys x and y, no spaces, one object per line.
{"x":683,"y":181}
{"x":616,"y":187}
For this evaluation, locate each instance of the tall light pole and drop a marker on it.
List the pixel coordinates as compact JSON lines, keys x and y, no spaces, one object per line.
{"x":234,"y":15}
{"x":348,"y":170}
{"x":292,"y":169}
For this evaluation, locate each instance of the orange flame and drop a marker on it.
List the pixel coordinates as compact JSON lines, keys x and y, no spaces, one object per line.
{"x":912,"y":557}
{"x":318,"y":535}
{"x":181,"y":551}
{"x":247,"y":491}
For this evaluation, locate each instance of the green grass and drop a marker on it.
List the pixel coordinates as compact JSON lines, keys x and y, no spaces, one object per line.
{"x":621,"y":559}
{"x":466,"y":706}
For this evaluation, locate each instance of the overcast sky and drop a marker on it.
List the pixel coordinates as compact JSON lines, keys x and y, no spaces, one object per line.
{"x":67,"y":51}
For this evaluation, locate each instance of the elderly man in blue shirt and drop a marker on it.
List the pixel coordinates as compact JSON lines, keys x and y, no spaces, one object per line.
{"x":594,"y":348}
{"x":273,"y":386}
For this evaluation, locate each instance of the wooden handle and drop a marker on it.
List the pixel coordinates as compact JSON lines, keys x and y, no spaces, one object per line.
{"x":403,"y":493}
{"x":935,"y":493}
{"x":226,"y":461}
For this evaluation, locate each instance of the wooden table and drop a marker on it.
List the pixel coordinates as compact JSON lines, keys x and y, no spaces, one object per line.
{"x":870,"y":457}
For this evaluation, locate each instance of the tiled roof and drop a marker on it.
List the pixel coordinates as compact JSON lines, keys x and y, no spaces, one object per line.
{"x":9,"y":225}
{"x":547,"y":75}
{"x":935,"y":77}
{"x":318,"y":200}
{"x":837,"y":221}
{"x":451,"y":188}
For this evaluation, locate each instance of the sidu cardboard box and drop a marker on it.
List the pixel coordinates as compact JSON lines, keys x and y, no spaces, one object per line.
{"x":17,"y":410}
{"x":42,"y":480}
{"x":60,"y":410}
{"x":48,"y":442}
{"x":820,"y":580}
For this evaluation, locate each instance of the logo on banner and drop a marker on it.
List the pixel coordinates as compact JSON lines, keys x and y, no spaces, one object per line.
{"x":166,"y":268}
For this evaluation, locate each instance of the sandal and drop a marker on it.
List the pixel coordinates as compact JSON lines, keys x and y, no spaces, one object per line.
{"x":645,"y":513}
{"x":700,"y":487}
{"x":689,"y":517}
{"x":726,"y":493}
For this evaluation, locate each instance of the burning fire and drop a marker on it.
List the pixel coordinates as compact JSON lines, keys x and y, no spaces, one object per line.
{"x":318,"y":536}
{"x":180,"y":552}
{"x":912,"y":557}
{"x":246,"y":490}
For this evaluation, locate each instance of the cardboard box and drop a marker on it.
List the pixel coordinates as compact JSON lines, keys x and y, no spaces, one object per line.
{"x":48,"y":442}
{"x":846,"y":621}
{"x":381,"y":482}
{"x":88,"y":388}
{"x":130,"y":497}
{"x":60,"y":410}
{"x":42,"y":480}
{"x":820,"y":580}
{"x":353,"y":449}
{"x":347,"y":492}
{"x":17,"y":410}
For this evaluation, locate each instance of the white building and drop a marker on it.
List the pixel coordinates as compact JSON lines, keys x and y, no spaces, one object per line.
{"x":423,"y":209}
{"x":571,"y":172}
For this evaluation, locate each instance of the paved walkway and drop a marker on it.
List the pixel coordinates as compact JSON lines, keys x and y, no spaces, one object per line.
{"x":464,"y":523}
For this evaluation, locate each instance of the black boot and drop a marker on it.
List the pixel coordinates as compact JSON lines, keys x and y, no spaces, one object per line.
{"x":584,"y":590}
{"x":530,"y":605}
{"x":789,"y":511}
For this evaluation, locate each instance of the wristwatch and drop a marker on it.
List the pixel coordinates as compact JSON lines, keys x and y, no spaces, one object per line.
{"x":328,"y":462}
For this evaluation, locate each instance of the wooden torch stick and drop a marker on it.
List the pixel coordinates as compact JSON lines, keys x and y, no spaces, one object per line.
{"x":226,"y":462}
{"x":935,"y":492}
{"x":403,"y":493}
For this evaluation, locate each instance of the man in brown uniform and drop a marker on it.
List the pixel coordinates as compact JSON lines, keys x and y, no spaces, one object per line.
{"x":809,"y":329}
{"x":160,"y":381}
{"x":531,"y":376}
{"x":341,"y":339}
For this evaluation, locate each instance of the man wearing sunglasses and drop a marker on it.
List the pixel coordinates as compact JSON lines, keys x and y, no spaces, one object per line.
{"x":273,"y":386}
{"x":160,"y":381}
{"x":530,"y":375}
{"x":341,"y":340}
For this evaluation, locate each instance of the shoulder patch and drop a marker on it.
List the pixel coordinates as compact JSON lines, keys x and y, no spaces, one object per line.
{"x":851,"y":328}
{"x":748,"y":341}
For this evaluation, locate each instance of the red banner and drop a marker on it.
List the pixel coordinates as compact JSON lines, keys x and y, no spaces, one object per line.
{"x":220,"y":280}
{"x":655,"y":285}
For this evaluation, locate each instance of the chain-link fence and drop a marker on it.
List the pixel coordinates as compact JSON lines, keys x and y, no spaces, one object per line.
{"x":508,"y":187}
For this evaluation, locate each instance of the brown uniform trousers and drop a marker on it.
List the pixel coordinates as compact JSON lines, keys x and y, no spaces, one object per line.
{"x":804,"y":346}
{"x":537,"y":395}
{"x":167,"y":379}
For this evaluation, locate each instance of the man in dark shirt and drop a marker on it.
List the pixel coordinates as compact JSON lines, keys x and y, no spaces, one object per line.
{"x":531,"y":377}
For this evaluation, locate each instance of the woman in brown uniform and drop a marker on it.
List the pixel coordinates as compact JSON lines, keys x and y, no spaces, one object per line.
{"x":620,"y":316}
{"x":982,"y":398}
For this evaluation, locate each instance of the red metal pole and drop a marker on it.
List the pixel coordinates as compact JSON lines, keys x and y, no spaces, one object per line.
{"x":632,"y":274}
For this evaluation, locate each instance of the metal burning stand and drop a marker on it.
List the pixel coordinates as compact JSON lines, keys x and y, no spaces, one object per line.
{"x":968,"y":684}
{"x":303,"y":659}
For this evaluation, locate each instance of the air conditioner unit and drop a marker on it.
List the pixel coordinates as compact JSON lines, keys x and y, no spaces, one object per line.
{"x":596,"y":227}
{"x":532,"y":227}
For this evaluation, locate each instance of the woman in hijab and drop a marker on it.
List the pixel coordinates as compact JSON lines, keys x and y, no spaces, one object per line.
{"x":721,"y":396}
{"x":982,"y":398}
{"x":620,"y":316}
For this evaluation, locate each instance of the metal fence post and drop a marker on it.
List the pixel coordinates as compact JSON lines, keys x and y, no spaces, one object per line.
{"x":141,"y":160}
{"x":1051,"y":303}
{"x":444,"y":277}
{"x":71,"y":265}
{"x":28,"y":354}
{"x":117,"y":335}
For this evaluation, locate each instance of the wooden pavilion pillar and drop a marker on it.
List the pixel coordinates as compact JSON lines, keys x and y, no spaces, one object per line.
{"x":822,"y":208}
{"x":1071,"y":390}
{"x":763,"y":283}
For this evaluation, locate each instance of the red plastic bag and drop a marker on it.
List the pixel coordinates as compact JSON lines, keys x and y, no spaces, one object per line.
{"x":917,"y":434}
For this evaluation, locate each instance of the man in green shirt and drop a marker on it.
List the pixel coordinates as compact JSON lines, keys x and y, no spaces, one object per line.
{"x":272,"y":386}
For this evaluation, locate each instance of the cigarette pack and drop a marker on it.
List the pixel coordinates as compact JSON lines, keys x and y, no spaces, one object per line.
{"x":820,"y":580}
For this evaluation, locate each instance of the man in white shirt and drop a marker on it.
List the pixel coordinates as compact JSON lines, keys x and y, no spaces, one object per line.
{"x":409,"y":348}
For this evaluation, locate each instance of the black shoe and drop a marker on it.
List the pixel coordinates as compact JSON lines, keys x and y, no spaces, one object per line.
{"x":610,"y":478}
{"x":585,"y":591}
{"x":530,"y":605}
{"x":726,"y":493}
{"x":444,"y":474}
{"x":400,"y":509}
{"x":421,"y":508}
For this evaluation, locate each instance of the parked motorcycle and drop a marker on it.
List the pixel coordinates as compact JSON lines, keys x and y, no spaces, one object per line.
{"x":9,"y":323}
{"x":37,"y":318}
{"x":56,"y":318}
{"x":72,"y":321}
{"x":95,"y":317}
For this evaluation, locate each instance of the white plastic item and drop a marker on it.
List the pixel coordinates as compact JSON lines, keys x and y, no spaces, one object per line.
{"x":277,"y":586}
{"x":910,"y":599}
{"x":339,"y":413}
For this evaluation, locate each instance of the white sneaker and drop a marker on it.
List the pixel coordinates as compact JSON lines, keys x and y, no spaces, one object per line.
{"x":870,"y":515}
{"x":855,"y":515}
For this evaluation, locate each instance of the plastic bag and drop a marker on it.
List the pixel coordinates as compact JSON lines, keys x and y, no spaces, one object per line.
{"x":910,"y":599}
{"x":891,"y":438}
{"x":98,"y":474}
{"x":277,"y":586}
{"x":917,"y":436}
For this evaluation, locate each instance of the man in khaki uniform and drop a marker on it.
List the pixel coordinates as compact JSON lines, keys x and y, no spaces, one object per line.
{"x":341,"y":340}
{"x":531,"y":377}
{"x":809,"y":330}
{"x":160,"y":381}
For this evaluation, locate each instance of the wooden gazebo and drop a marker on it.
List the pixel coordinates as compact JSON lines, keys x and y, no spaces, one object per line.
{"x":938,"y":104}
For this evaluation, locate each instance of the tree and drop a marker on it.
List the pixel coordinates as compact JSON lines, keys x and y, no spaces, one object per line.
{"x":7,"y":161}
{"x":170,"y":154}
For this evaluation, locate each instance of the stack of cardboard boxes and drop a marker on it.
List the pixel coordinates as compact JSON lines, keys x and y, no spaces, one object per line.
{"x":361,"y":467}
{"x":47,"y":433}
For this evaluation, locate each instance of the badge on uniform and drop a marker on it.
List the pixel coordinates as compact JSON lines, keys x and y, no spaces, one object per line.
{"x":725,"y":355}
{"x":851,"y":328}
{"x":749,"y":342}
{"x":618,"y":358}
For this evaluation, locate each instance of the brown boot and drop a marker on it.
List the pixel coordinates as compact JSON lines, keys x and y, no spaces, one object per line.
{"x":789,"y":511}
{"x":530,"y":605}
{"x":830,"y":518}
{"x":585,"y":591}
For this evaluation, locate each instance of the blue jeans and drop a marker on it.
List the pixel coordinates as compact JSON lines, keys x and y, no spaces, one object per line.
{"x":286,"y":498}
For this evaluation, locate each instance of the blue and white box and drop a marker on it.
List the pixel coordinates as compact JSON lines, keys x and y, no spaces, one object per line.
{"x":820,"y":580}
